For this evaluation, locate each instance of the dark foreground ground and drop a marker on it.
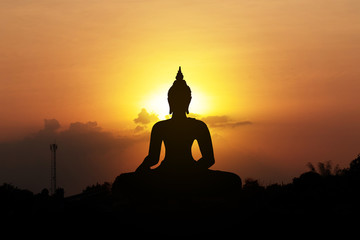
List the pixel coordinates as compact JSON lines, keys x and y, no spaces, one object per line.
{"x":323,"y":202}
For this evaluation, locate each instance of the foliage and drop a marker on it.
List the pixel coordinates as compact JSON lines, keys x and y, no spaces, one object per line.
{"x":325,"y":168}
{"x":324,"y":189}
{"x":98,"y":188}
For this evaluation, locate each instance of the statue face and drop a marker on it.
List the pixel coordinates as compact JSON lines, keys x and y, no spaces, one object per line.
{"x":179,"y":104}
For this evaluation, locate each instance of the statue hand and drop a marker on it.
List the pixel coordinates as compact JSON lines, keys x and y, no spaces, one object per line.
{"x":201,"y":164}
{"x":142,"y":168}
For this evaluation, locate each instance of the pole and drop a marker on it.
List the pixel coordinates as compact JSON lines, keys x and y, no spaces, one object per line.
{"x":53,"y":148}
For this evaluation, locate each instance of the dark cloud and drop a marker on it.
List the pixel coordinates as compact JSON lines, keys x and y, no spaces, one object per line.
{"x":51,"y":124}
{"x":79,"y":127}
{"x":223,"y":121}
{"x":145,"y":118}
{"x":86,"y":155}
{"x":139,"y":129}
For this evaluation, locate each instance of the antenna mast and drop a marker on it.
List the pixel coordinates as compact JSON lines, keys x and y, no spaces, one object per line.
{"x":53,"y":148}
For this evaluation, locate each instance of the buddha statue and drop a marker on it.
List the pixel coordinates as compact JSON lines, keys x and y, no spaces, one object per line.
{"x":178,"y":171}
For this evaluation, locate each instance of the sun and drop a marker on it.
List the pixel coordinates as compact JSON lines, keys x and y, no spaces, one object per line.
{"x":157,"y":103}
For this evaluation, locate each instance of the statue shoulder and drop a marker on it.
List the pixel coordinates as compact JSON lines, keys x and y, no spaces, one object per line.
{"x":198,"y":123}
{"x":161,"y":124}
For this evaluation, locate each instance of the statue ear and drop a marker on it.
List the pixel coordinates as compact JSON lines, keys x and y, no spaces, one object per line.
{"x":187,"y":109}
{"x":170,"y":111}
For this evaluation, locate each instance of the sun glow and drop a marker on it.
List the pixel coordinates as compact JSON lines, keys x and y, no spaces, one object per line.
{"x":157,"y":103}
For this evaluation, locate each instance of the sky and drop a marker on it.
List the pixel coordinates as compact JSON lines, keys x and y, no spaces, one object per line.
{"x":277,"y":83}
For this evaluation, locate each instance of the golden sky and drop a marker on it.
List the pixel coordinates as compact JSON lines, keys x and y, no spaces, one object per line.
{"x":288,"y":67}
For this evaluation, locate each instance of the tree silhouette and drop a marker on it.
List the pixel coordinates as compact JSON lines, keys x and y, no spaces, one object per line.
{"x":324,"y":168}
{"x":355,"y":165}
{"x":315,"y":196}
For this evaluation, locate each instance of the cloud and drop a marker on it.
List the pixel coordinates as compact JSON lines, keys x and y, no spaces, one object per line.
{"x":145,"y":118}
{"x":51,"y":124}
{"x":50,"y":127}
{"x":86,"y":154}
{"x":223,"y":122}
{"x":139,"y":129}
{"x":84,"y":127}
{"x":213,"y":121}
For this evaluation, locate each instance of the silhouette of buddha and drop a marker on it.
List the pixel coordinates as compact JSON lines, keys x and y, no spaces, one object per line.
{"x":178,"y":134}
{"x":178,"y":170}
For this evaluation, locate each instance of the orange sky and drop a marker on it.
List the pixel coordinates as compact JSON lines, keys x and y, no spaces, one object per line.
{"x":288,"y":67}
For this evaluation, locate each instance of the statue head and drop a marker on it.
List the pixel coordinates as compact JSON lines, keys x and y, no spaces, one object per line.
{"x":179,"y":95}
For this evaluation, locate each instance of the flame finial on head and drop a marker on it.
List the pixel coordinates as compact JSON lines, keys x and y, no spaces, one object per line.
{"x":179,"y":75}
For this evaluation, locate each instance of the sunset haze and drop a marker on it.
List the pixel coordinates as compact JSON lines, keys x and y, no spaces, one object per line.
{"x":277,"y":83}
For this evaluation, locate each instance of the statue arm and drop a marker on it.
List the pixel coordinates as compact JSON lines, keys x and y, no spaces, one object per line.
{"x":154,"y":150}
{"x":206,"y":147}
